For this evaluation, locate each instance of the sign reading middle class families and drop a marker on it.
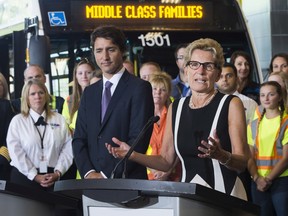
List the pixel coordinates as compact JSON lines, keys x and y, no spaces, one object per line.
{"x":144,"y":11}
{"x":141,"y":15}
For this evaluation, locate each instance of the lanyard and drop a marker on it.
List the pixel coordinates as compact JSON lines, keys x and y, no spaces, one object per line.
{"x":41,"y":136}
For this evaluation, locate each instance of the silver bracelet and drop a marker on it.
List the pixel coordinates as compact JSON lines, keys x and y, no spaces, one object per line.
{"x":228,"y":160}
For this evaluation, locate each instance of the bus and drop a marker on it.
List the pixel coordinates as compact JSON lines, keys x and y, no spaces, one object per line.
{"x":154,"y":28}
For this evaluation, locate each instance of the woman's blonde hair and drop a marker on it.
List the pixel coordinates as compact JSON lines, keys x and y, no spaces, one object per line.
{"x":25,"y":105}
{"x":165,"y":79}
{"x":206,"y":44}
{"x":5,"y":88}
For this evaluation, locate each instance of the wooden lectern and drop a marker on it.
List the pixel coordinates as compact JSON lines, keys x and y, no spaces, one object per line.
{"x":125,"y":197}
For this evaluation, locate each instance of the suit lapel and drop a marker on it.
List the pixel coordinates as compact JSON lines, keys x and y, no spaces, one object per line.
{"x":96,"y":106}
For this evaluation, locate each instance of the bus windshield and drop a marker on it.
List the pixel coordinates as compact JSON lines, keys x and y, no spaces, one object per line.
{"x":153,"y":28}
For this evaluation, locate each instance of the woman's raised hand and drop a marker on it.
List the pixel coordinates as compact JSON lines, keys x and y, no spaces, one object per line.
{"x":118,"y":152}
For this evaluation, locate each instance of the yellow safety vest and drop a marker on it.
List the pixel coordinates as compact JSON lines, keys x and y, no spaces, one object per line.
{"x":52,"y":102}
{"x":268,"y":162}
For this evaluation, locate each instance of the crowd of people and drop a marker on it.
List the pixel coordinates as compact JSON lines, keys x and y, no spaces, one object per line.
{"x":217,"y":127}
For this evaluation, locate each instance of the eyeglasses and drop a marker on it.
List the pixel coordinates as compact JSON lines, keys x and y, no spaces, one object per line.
{"x":194,"y":65}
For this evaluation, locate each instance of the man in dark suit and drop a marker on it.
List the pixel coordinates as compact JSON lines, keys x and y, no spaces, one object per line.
{"x":5,"y":118}
{"x":129,"y":109}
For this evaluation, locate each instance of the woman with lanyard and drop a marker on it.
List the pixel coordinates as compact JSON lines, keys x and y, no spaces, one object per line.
{"x":38,"y":140}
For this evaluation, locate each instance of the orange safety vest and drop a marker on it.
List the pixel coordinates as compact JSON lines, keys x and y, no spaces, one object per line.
{"x":259,"y":109}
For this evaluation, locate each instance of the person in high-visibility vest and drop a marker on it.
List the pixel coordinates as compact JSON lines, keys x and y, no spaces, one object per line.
{"x":282,"y":78}
{"x":268,"y":164}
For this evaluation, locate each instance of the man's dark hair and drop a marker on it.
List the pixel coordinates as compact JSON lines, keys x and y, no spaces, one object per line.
{"x":180,"y":46}
{"x":110,"y":33}
{"x":230,"y":65}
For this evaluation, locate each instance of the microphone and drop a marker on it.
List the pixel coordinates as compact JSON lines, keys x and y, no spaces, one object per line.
{"x":150,"y":122}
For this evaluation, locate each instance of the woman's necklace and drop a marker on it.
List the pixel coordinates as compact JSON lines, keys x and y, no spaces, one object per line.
{"x":193,"y":106}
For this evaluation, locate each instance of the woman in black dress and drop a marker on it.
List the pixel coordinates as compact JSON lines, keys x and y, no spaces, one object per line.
{"x":207,"y":131}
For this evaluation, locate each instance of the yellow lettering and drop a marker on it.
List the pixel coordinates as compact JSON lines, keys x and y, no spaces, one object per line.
{"x":173,"y":12}
{"x":103,"y":12}
{"x":128,"y":11}
{"x":144,"y":12}
{"x":199,"y":10}
{"x":153,"y":12}
{"x":139,"y":12}
{"x":88,"y":12}
{"x":133,"y":12}
{"x":161,"y":11}
{"x":180,"y":12}
{"x":167,"y":13}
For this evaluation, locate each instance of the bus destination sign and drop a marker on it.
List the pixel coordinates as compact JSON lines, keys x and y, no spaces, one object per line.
{"x":144,"y":12}
{"x":129,"y":14}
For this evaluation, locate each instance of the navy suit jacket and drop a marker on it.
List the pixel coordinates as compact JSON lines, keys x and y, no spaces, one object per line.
{"x":130,"y":108}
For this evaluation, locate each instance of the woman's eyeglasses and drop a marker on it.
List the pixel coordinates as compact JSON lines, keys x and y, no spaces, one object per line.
{"x":194,"y":65}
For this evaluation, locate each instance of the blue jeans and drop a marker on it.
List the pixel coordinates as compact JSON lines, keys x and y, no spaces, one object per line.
{"x":274,"y":201}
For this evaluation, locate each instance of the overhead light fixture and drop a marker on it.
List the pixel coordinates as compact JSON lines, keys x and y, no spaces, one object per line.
{"x":54,"y":55}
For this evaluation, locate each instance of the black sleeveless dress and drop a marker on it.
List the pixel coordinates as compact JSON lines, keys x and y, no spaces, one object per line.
{"x":194,"y":126}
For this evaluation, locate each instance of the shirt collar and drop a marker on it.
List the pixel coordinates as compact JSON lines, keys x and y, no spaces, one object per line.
{"x":35,"y":115}
{"x":180,"y":81}
{"x":236,"y":93}
{"x":115,"y":79}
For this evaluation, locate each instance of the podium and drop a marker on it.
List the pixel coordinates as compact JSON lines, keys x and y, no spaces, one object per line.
{"x":143,"y":197}
{"x":20,"y":200}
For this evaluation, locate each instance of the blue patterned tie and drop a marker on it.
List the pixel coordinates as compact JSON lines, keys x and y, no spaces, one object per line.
{"x":106,"y":98}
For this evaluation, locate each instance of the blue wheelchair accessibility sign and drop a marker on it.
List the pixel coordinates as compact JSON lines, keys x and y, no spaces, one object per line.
{"x":57,"y":18}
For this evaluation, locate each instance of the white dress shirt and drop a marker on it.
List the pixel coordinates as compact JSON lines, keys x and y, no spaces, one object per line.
{"x":24,"y":143}
{"x":249,"y":105}
{"x":114,"y":80}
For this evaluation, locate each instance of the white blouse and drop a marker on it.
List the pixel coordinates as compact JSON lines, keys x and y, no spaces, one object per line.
{"x":24,"y":143}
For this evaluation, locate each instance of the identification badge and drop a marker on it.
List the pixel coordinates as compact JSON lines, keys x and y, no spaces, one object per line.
{"x":43,"y":167}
